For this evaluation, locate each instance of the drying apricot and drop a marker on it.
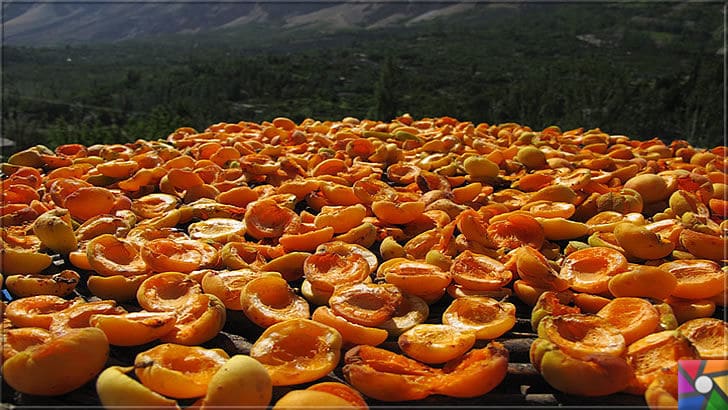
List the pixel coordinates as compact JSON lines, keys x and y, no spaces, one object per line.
{"x":87,"y":202}
{"x":43,"y":369}
{"x":351,"y":333}
{"x":581,"y":335}
{"x":475,"y":373}
{"x":696,"y":278}
{"x":516,"y":230}
{"x":269,"y":299}
{"x":332,"y":266}
{"x":412,"y":311}
{"x":170,"y":255}
{"x":135,"y":328}
{"x":199,"y":319}
{"x":167,"y":291}
{"x":535,"y":269}
{"x":341,"y":219}
{"x":643,"y":281}
{"x":435,"y":343}
{"x":550,"y":303}
{"x":242,"y":382}
{"x":597,"y":375}
{"x":264,"y":218}
{"x":688,"y":309}
{"x":79,"y":315}
{"x":639,"y":242}
{"x":387,"y":376}
{"x":479,"y":272}
{"x":590,"y":269}
{"x":709,"y":336}
{"x":297,"y":399}
{"x":415,"y":277}
{"x":704,"y":245}
{"x":397,"y":213}
{"x":343,"y":391}
{"x":486,"y":317}
{"x":220,"y":230}
{"x":178,"y":371}
{"x":109,"y":256}
{"x":297,"y":351}
{"x":366,"y":304}
{"x":60,"y":284}
{"x":655,"y":353}
{"x":37,"y":311}
{"x":633,"y":317}
{"x":118,"y":287}
{"x":117,"y":390}
{"x":662,"y":392}
{"x":15,"y":340}
{"x":228,"y":285}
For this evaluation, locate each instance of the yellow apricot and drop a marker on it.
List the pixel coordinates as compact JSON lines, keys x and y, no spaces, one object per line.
{"x":241,"y":382}
{"x":119,"y":391}
{"x":44,"y":369}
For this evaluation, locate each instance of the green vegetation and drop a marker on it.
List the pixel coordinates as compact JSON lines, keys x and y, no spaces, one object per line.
{"x":642,"y":70}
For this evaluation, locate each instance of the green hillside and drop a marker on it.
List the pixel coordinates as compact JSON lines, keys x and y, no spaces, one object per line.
{"x":642,"y":70}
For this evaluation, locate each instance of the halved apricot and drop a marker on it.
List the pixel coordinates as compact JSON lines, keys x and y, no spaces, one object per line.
{"x":435,"y":343}
{"x":590,"y":269}
{"x":264,"y":218}
{"x":79,"y":315}
{"x":708,"y":335}
{"x":412,"y":311}
{"x":228,"y":285}
{"x":220,"y":230}
{"x":199,"y":319}
{"x":643,"y":281}
{"x":696,"y":278}
{"x":657,"y":353}
{"x":118,"y":287}
{"x":37,"y":311}
{"x":475,"y":373}
{"x":298,"y":351}
{"x":387,"y":376}
{"x":332,"y":266}
{"x":581,"y":335}
{"x":109,"y":256}
{"x":599,"y":375}
{"x":135,"y":328}
{"x":397,"y":213}
{"x":486,"y":317}
{"x":479,"y":272}
{"x":117,"y":390}
{"x":516,"y":230}
{"x":43,"y":369}
{"x":351,"y":333}
{"x":15,"y":340}
{"x":633,"y":317}
{"x":60,"y":284}
{"x":269,"y":299}
{"x":366,"y":304}
{"x":343,"y":391}
{"x":87,"y":202}
{"x":178,"y":371}
{"x":167,"y":291}
{"x":169,"y":255}
{"x":535,"y":269}
{"x":342,"y":218}
{"x":418,"y":278}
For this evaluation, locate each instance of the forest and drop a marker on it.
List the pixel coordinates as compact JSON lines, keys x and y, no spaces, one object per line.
{"x":626,"y":68}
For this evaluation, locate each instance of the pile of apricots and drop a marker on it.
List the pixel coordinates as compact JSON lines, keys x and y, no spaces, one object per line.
{"x":334,"y":237}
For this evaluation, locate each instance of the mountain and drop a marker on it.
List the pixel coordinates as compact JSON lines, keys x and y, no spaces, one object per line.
{"x":60,"y":23}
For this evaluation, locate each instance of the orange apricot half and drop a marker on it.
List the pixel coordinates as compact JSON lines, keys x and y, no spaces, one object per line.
{"x":590,"y":269}
{"x":581,"y":335}
{"x":479,"y":272}
{"x":435,"y":343}
{"x":178,"y":371}
{"x":486,"y":317}
{"x":298,"y":351}
{"x":708,"y":335}
{"x":696,"y":278}
{"x":634,"y":317}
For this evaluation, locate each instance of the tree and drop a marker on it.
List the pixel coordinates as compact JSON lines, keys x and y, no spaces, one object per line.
{"x":385,"y":100}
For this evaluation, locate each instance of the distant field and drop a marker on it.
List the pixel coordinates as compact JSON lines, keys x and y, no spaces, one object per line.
{"x":641,"y":70}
